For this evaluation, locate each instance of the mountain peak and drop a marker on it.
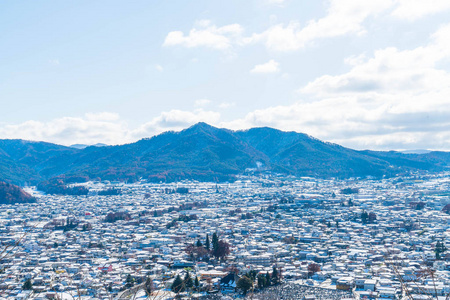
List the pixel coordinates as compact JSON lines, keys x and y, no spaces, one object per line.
{"x":202,"y":127}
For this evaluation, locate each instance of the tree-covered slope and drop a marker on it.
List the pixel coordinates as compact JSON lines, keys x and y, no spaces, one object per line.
{"x":205,"y":152}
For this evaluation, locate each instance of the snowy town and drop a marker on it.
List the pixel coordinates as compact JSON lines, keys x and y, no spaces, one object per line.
{"x":260,"y":237}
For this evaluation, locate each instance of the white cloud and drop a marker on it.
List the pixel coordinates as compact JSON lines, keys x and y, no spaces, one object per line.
{"x":380,"y":122}
{"x":412,"y":10}
{"x":103,"y":127}
{"x":269,"y":67}
{"x":206,"y":35}
{"x":202,"y":102}
{"x":393,"y":99}
{"x":90,"y":129}
{"x":393,"y":71}
{"x":159,"y":68}
{"x":356,"y":123}
{"x":343,"y":17}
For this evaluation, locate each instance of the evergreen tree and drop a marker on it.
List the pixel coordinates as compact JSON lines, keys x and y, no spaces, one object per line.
{"x":261,"y":281}
{"x":267,"y":279}
{"x":207,"y":243}
{"x":275,"y":276}
{"x":148,"y":286}
{"x":27,"y":285}
{"x":364,"y":217}
{"x":196,"y":283}
{"x":129,"y":281}
{"x":188,"y":283}
{"x":177,"y":285}
{"x":199,"y":244}
{"x":215,"y":241}
{"x":439,"y":249}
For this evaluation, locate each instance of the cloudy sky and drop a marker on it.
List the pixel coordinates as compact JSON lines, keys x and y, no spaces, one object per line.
{"x":364,"y":74}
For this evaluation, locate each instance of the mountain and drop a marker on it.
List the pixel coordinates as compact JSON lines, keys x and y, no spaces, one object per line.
{"x":82,"y":146}
{"x":416,"y":151}
{"x":11,"y":194}
{"x":206,"y":153}
{"x":22,"y":161}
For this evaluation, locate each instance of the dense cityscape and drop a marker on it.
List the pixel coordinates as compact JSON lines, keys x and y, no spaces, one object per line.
{"x":261,"y":237}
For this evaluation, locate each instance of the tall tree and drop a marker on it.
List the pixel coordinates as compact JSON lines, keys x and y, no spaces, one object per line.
{"x":178,"y":285}
{"x":267,"y":279}
{"x":188,"y":280}
{"x":196,"y":283}
{"x":364,"y":217}
{"x":221,"y":250}
{"x":215,"y":241}
{"x":439,"y":249}
{"x":207,"y":243}
{"x":275,"y":276}
{"x":244,"y":283}
{"x":148,"y":286}
{"x":261,"y":281}
{"x":27,"y":285}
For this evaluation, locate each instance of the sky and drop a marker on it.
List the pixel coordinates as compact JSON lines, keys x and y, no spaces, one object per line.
{"x":363,"y":74}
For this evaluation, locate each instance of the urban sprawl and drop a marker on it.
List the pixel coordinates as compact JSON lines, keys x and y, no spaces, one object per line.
{"x":260,"y":237}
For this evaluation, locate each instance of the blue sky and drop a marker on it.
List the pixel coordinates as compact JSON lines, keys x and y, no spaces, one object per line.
{"x":361,"y":74}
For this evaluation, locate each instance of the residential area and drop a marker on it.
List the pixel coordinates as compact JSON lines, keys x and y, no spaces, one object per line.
{"x":260,"y":236}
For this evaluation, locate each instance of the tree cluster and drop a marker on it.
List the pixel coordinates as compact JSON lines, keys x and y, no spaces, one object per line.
{"x":218,"y":248}
{"x":248,"y":280}
{"x":117,"y":216}
{"x":58,"y":187}
{"x":247,"y":216}
{"x":187,"y":283}
{"x":313,"y":268}
{"x":368,"y":217}
{"x":71,"y":224}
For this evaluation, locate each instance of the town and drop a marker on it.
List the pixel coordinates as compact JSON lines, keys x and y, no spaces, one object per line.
{"x":266,"y":237}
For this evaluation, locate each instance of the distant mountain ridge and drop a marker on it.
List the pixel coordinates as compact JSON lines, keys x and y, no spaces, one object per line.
{"x":205,"y":153}
{"x":82,"y":146}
